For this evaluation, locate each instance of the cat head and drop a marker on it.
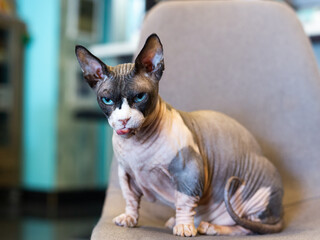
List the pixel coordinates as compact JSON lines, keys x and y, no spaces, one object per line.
{"x":126,"y":93}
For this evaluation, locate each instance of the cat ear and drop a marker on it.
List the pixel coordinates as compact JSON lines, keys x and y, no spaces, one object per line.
{"x":150,"y":58}
{"x":94,"y":70}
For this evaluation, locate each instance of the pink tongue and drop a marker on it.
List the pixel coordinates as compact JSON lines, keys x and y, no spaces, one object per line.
{"x":123,"y":131}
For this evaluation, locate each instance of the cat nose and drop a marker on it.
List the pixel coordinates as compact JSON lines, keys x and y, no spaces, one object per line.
{"x":124,"y":121}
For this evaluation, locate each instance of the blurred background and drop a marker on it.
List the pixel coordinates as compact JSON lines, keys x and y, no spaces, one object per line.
{"x":55,"y":145}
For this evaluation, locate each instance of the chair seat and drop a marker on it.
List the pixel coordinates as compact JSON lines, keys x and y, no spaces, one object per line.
{"x":302,"y":222}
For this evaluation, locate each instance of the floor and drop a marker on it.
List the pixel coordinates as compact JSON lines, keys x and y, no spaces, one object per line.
{"x":70,"y":221}
{"x":31,"y":228}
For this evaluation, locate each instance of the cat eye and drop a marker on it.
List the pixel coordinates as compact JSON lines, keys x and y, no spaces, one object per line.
{"x":139,"y":97}
{"x":107,"y":101}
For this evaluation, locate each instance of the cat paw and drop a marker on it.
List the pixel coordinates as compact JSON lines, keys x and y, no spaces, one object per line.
{"x":207,"y":229}
{"x":185,"y":230}
{"x":212,"y":229}
{"x":125,"y":220}
{"x":170,"y":223}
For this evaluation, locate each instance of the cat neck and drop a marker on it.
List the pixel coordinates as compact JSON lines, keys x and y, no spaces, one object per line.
{"x":152,"y":126}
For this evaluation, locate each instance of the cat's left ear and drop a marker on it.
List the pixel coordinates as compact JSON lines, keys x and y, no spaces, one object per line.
{"x":94,"y":70}
{"x":150,"y":58}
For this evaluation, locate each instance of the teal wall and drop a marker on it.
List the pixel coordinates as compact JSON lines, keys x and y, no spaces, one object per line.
{"x":41,"y":92}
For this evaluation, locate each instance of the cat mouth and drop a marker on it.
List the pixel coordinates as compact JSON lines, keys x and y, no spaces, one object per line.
{"x":124,"y":131}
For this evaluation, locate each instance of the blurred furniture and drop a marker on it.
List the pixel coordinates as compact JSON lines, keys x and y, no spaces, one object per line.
{"x":12,"y":33}
{"x":252,"y":61}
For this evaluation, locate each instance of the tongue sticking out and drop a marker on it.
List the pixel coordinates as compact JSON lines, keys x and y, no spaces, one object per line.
{"x":123,"y":131}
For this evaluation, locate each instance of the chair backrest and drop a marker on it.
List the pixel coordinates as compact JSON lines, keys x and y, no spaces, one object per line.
{"x":252,"y":61}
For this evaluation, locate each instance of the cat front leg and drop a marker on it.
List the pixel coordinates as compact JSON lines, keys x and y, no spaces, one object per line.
{"x":187,"y":172}
{"x":185,"y":211}
{"x":132,"y":198}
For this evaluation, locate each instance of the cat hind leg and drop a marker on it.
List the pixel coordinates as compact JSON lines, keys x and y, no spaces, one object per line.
{"x":206,"y":228}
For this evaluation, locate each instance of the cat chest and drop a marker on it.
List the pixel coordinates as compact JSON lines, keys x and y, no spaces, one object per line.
{"x":173,"y":137}
{"x":148,"y":169}
{"x":148,"y":163}
{"x":145,"y":158}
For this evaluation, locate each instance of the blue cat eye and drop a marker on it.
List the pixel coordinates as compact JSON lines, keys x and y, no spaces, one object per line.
{"x":140,"y":97}
{"x":107,"y":101}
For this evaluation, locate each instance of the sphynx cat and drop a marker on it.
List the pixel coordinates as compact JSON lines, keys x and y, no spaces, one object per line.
{"x":204,"y":163}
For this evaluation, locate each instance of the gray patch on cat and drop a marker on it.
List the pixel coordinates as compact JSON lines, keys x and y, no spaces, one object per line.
{"x":186,"y":169}
{"x":274,"y":210}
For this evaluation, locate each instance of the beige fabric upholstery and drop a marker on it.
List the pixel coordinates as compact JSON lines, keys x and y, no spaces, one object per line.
{"x":252,"y":61}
